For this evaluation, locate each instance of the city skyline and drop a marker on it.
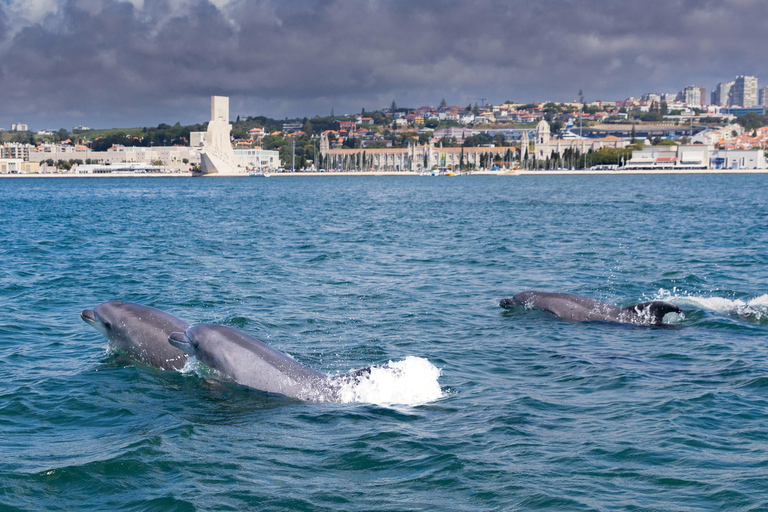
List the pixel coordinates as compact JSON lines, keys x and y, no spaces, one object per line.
{"x":143,"y":62}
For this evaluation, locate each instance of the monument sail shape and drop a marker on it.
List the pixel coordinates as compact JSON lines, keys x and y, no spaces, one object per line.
{"x":217,"y":156}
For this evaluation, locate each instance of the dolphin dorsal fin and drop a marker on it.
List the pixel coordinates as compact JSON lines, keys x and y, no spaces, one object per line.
{"x":653,"y":312}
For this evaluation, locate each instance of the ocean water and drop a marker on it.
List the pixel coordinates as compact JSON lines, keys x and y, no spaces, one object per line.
{"x":483,"y":409}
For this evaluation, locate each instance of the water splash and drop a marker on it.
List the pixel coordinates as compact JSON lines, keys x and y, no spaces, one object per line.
{"x":412,"y":381}
{"x":753,"y":310}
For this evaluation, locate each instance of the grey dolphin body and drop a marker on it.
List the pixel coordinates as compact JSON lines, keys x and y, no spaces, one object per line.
{"x":140,"y":332}
{"x":253,"y":363}
{"x":579,"y":308}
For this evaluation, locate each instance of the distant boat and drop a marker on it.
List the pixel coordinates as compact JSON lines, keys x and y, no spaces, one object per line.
{"x":259,"y":175}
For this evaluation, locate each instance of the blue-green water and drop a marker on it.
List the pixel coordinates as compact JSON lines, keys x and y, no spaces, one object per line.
{"x":536,"y":413}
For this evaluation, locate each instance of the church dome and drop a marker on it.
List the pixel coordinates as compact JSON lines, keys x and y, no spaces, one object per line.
{"x":542,"y":127}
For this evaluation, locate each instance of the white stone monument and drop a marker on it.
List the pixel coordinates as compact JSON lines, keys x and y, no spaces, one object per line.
{"x":217,"y":156}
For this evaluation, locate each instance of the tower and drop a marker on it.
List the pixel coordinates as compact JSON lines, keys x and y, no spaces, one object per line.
{"x":524,"y":146}
{"x":217,"y":156}
{"x":542,"y":140}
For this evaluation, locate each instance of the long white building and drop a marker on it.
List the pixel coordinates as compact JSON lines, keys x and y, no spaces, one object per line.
{"x":695,"y":156}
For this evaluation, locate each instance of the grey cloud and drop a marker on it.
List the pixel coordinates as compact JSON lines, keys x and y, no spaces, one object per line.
{"x":119,"y":65}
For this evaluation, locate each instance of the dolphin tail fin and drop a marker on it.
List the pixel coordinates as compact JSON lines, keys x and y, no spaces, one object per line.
{"x":653,"y":312}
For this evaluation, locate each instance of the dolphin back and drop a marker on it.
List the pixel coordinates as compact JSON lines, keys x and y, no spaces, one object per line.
{"x":251,"y":362}
{"x":579,"y":308}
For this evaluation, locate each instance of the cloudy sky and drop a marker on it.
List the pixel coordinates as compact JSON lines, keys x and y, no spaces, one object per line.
{"x":105,"y":63}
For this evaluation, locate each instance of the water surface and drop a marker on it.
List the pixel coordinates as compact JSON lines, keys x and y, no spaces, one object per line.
{"x":535,"y":413}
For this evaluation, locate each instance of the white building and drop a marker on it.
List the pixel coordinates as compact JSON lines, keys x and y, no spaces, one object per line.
{"x":722,"y":94}
{"x":196,"y":139}
{"x":545,"y":145}
{"x":15,"y":150}
{"x":19,"y":127}
{"x":696,"y":156}
{"x":693,"y":96}
{"x":744,"y":91}
{"x":257,"y":158}
{"x":17,"y":166}
{"x":169,"y":157}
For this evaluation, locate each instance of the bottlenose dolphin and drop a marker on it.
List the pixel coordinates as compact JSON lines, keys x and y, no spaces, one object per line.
{"x":253,"y":363}
{"x":583,"y":309}
{"x":140,"y":332}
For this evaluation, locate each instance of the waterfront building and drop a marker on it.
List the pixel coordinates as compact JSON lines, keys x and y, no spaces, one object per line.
{"x":693,"y":157}
{"x":744,"y":91}
{"x":18,"y":166}
{"x":546,"y":147}
{"x":414,"y":158}
{"x":170,"y":157}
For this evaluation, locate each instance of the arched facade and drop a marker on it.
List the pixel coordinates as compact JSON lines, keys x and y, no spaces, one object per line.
{"x":411,"y":159}
{"x":545,"y":145}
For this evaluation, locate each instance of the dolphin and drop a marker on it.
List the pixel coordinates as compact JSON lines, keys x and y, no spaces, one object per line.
{"x":585,"y":309}
{"x":251,"y":362}
{"x":140,"y":332}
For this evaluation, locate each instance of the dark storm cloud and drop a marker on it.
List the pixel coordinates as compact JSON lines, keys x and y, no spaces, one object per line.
{"x":120,"y":62}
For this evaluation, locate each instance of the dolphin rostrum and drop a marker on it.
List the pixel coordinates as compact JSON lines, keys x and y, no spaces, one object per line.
{"x":139,"y":332}
{"x":579,"y":308}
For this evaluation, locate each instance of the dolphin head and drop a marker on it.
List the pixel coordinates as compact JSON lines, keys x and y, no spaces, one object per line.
{"x":507,"y":303}
{"x":105,"y":317}
{"x":519,"y":299}
{"x":185,"y":343}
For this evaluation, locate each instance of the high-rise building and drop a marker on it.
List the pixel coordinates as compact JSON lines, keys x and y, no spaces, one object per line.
{"x":651,"y":97}
{"x":744,"y":91}
{"x":702,"y":94}
{"x":763,"y":96}
{"x":722,"y":94}
{"x":693,"y":96}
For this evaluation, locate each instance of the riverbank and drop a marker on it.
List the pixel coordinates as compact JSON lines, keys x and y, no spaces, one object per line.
{"x":103,"y":175}
{"x":384,"y":173}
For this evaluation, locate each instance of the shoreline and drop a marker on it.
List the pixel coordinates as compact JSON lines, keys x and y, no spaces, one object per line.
{"x":404,"y":173}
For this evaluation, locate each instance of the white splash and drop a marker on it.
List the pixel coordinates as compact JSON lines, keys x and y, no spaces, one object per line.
{"x":756,"y":308}
{"x":413,"y":381}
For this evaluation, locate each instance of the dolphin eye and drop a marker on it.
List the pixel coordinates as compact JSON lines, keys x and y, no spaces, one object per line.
{"x":107,"y":325}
